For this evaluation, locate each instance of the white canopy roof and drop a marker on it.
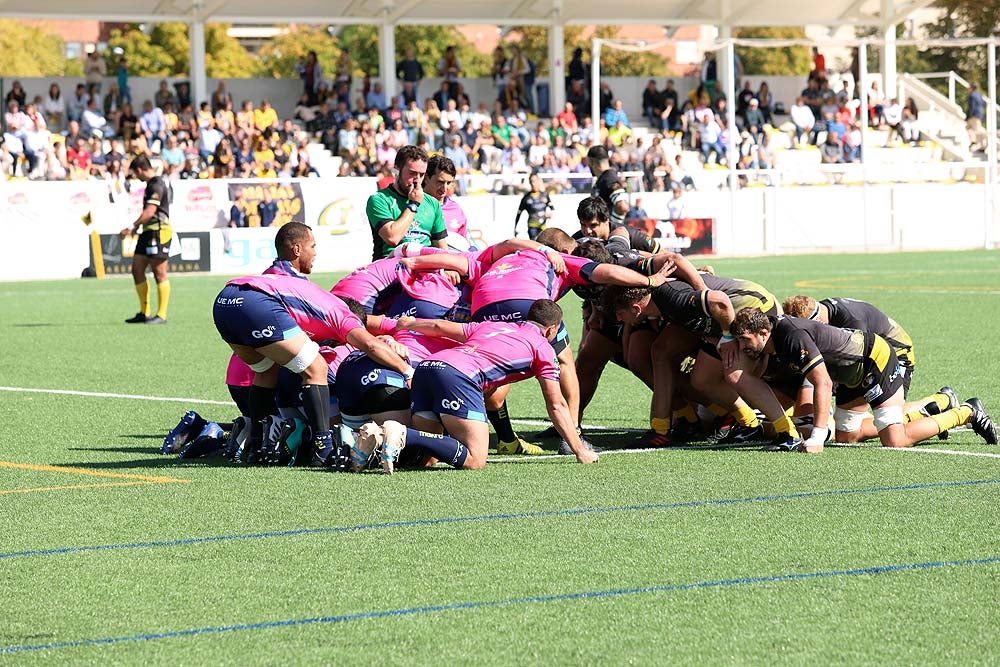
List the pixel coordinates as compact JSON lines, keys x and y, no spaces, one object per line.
{"x":440,"y":12}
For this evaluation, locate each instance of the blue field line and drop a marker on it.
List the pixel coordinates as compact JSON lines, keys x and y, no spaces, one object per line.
{"x":492,"y":517}
{"x":565,"y":597}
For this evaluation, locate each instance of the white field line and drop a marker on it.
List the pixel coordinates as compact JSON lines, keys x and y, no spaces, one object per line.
{"x":98,"y":394}
{"x":953,"y":452}
{"x":544,"y":457}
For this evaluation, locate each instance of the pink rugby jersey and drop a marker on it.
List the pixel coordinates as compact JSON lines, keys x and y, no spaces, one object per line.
{"x":364,"y":284}
{"x":320,"y":314}
{"x":528,"y":275}
{"x":498,"y":353}
{"x":454,"y":218}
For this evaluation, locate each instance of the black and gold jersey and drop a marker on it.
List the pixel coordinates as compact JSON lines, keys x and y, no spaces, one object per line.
{"x":855,"y":314}
{"x":686,"y":307}
{"x":157,"y":194}
{"x":802,"y":344}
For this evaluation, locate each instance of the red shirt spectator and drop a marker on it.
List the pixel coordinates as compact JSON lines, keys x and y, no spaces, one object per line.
{"x":79,"y":156}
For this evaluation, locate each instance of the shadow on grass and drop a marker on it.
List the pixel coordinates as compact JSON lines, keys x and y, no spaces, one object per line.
{"x":117,"y":450}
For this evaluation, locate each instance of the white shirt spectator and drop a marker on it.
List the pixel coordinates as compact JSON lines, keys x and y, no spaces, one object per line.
{"x":802,"y":116}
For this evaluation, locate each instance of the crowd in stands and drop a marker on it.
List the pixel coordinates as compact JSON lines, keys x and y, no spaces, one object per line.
{"x":91,"y":134}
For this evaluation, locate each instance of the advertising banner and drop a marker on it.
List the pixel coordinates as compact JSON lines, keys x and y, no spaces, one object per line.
{"x":189,"y":251}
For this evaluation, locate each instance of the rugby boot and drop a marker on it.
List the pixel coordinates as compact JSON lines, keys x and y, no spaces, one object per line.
{"x":393,"y":442}
{"x":209,"y":441}
{"x":519,"y":446}
{"x":783,"y":442}
{"x":366,"y":445}
{"x":188,"y":427}
{"x":980,"y":421}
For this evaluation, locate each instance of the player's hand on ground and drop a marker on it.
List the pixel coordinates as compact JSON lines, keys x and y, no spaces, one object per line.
{"x":587,"y":456}
{"x":809,"y":448}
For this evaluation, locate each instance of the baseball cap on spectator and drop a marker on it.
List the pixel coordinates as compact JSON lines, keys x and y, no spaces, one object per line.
{"x":598,"y":153}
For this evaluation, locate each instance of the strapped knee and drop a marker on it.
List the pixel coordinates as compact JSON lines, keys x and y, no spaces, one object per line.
{"x":886,"y":417}
{"x":848,"y":420}
{"x":303,"y":360}
{"x":262,"y":366}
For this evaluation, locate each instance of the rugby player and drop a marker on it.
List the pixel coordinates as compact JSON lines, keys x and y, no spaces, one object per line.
{"x":866,"y":372}
{"x":609,"y":186}
{"x":274,"y":321}
{"x":153,"y":246}
{"x":698,"y":324}
{"x":537,"y":204}
{"x":440,"y":184}
{"x":448,"y":387}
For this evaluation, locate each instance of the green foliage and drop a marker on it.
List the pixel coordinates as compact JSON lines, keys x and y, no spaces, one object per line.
{"x":279,"y":56}
{"x":615,"y":62}
{"x":534,"y":42}
{"x":774,"y":60}
{"x":144,"y":56}
{"x":428,"y":41}
{"x":27,"y":50}
{"x":224,"y":57}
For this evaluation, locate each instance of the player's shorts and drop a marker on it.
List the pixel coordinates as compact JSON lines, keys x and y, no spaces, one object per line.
{"x":782,"y":379}
{"x":288,"y":394}
{"x":155,"y":243}
{"x":883,"y":377}
{"x":907,"y":378}
{"x":516,"y":310}
{"x":441,"y":389}
{"x":535,"y":227}
{"x":238,"y":374}
{"x":245,"y":316}
{"x":404,"y":304}
{"x":366,"y":388}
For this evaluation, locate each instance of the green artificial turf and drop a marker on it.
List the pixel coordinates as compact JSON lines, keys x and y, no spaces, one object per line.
{"x":666,"y":557}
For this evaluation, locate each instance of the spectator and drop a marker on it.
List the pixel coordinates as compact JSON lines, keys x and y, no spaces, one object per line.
{"x":577,"y":96}
{"x":79,"y":158}
{"x":455,"y":152}
{"x":375,"y":99}
{"x":765,"y":101}
{"x":616,"y":113}
{"x":208,"y":140}
{"x":675,"y":207}
{"x":652,"y":105}
{"x":812,"y":96}
{"x":172,"y":153}
{"x":77,"y":103}
{"x":893,"y":117}
{"x":265,"y":117}
{"x":876,"y":105}
{"x":410,"y":71}
{"x":93,"y":122}
{"x":152,"y":125}
{"x":121,"y":78}
{"x":16,"y":94}
{"x":94,"y":69}
{"x":519,"y":73}
{"x":311,"y":73}
{"x":577,"y":69}
{"x":183,"y":89}
{"x":237,"y":212}
{"x":802,"y":118}
{"x":128,"y":123}
{"x":754,"y":119}
{"x":636,"y":211}
{"x":54,"y":108}
{"x":267,"y":208}
{"x":345,"y":72}
{"x":607,"y":98}
{"x":163,"y":95}
{"x":499,"y":70}
{"x":710,"y":139}
{"x":819,"y":65}
{"x":220,"y":97}
{"x":743,"y":99}
{"x":852,"y":143}
{"x":831,"y":152}
{"x":975,"y":115}
{"x":449,"y":68}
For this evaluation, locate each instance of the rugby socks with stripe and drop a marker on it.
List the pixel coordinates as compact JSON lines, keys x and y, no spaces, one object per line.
{"x":162,"y":298}
{"x":785,"y":425}
{"x":952,"y":418}
{"x":686,"y":413}
{"x":142,"y":289}
{"x":500,"y":421}
{"x":931,"y":405}
{"x":442,"y":447}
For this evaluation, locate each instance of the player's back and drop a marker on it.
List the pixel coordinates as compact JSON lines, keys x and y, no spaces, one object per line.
{"x":498,"y":353}
{"x":366,"y":283}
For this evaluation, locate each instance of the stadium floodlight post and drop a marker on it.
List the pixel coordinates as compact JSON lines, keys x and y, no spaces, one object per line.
{"x":595,"y":90}
{"x":991,"y":145}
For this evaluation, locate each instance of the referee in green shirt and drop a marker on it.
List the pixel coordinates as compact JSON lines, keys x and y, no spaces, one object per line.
{"x":400,"y":213}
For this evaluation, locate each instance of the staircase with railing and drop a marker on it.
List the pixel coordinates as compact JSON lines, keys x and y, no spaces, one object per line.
{"x":941,"y":117}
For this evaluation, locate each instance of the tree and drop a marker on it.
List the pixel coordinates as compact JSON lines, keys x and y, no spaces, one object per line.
{"x":27,"y":50}
{"x":428,"y":41}
{"x":534,"y":43}
{"x":144,"y":55}
{"x":279,"y":56}
{"x":225,"y":58}
{"x":774,"y":60}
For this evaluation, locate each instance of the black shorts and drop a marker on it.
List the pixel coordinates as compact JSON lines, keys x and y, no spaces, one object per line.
{"x":155,"y":243}
{"x":881,"y":381}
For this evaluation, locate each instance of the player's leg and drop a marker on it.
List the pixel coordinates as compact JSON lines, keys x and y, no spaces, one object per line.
{"x":754,"y":391}
{"x":139,"y":263}
{"x":159,"y":267}
{"x":595,"y":351}
{"x":710,"y":380}
{"x":667,"y":350}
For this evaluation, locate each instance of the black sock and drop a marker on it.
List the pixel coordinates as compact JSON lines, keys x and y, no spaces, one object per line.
{"x":316,"y":403}
{"x":500,"y":421}
{"x":261,"y":405}
{"x":442,"y":447}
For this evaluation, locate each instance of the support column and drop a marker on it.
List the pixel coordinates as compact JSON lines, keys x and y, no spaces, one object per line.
{"x":727,"y":77}
{"x":557,"y":69}
{"x":387,"y":59}
{"x":595,"y":90}
{"x":889,"y":51}
{"x":196,"y":64}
